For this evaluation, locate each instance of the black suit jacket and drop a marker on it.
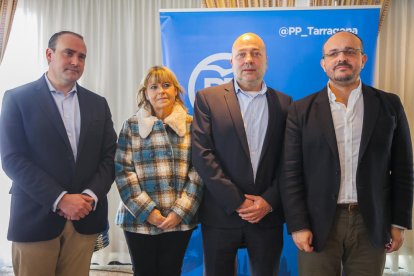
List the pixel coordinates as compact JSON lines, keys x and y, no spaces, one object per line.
{"x":221,"y":156}
{"x":311,"y":174}
{"x":37,"y":156}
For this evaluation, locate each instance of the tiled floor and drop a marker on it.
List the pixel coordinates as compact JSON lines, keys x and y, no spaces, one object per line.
{"x":111,"y":270}
{"x":95,"y":271}
{"x":400,"y":273}
{"x":125,"y":271}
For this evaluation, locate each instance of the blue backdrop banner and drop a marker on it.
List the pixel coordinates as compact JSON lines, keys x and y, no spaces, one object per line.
{"x":196,"y":45}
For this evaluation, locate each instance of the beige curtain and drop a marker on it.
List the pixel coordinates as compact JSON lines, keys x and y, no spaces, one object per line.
{"x":7,"y":10}
{"x":394,"y":73}
{"x":395,"y":57}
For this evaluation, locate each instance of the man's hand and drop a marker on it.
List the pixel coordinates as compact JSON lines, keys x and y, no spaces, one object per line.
{"x":246,"y":203}
{"x":155,"y":217}
{"x":256,"y":211}
{"x":303,"y":240}
{"x":397,"y":239}
{"x":75,"y":206}
{"x":171,"y":221}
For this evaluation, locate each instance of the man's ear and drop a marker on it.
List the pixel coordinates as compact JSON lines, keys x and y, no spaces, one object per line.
{"x":49,"y":53}
{"x":322,"y":62}
{"x":364,"y":60}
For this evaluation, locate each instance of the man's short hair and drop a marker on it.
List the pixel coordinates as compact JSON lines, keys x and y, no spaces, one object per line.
{"x":53,"y":39}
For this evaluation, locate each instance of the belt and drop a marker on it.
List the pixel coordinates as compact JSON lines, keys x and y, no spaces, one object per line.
{"x":348,"y":206}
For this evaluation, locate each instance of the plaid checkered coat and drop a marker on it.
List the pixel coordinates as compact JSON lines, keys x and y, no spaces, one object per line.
{"x":154,"y":170}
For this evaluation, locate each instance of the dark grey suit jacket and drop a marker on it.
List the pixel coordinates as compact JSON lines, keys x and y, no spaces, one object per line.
{"x":221,"y":156}
{"x":311,"y":173}
{"x":37,"y":156}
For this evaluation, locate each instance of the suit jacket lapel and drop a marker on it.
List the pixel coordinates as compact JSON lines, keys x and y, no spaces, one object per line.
{"x":85,"y":117}
{"x":274,"y":110}
{"x":48,"y":105}
{"x":371,"y":110}
{"x":324,"y":117}
{"x":234,"y":109}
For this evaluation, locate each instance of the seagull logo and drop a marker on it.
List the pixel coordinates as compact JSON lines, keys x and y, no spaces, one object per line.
{"x":212,"y":74}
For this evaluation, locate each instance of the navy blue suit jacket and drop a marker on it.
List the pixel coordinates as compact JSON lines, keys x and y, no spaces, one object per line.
{"x":221,"y":156}
{"x":37,"y":156}
{"x":312,"y":174}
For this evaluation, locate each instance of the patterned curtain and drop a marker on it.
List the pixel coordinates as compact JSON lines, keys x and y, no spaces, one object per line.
{"x":292,"y":3}
{"x":7,"y":10}
{"x":246,"y":3}
{"x":385,"y":4}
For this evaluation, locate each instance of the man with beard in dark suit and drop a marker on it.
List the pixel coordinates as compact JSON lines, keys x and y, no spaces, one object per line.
{"x":347,"y":184}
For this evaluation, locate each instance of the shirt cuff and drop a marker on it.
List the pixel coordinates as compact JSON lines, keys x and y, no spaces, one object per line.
{"x":399,"y":227}
{"x":91,"y":194}
{"x":54,"y":207}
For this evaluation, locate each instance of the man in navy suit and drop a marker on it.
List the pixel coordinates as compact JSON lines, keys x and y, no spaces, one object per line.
{"x":347,"y":185}
{"x":57,"y":145}
{"x":238,"y":131}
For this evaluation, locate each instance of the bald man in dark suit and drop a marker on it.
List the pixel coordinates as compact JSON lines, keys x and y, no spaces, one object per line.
{"x":238,"y":131}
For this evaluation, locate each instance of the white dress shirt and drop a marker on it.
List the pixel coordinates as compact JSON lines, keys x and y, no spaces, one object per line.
{"x":347,"y":120}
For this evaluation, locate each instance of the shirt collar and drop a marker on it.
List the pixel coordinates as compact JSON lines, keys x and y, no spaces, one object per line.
{"x":53,"y":89}
{"x":262,"y":91}
{"x":353,"y":97}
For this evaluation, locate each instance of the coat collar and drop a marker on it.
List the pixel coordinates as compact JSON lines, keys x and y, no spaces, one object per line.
{"x":371,"y":111}
{"x":234,"y":109}
{"x":235,"y":113}
{"x":48,"y":105}
{"x":177,"y":120}
{"x":324,"y":118}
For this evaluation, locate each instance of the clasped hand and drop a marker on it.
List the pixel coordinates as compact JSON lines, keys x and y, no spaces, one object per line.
{"x":254,"y":208}
{"x":75,"y":206}
{"x":164,"y":223}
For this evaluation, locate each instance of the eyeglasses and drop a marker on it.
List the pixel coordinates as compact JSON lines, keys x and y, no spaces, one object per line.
{"x":348,"y":52}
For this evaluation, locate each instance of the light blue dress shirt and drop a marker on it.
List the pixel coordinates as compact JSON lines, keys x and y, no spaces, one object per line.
{"x":255,"y":114}
{"x":69,"y":111}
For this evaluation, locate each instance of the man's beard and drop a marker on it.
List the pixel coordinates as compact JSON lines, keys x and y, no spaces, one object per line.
{"x":343,"y":78}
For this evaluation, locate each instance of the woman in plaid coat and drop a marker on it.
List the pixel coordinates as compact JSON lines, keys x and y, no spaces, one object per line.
{"x":159,"y":188}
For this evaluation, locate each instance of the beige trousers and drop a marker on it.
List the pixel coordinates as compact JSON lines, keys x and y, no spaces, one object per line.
{"x":67,"y":255}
